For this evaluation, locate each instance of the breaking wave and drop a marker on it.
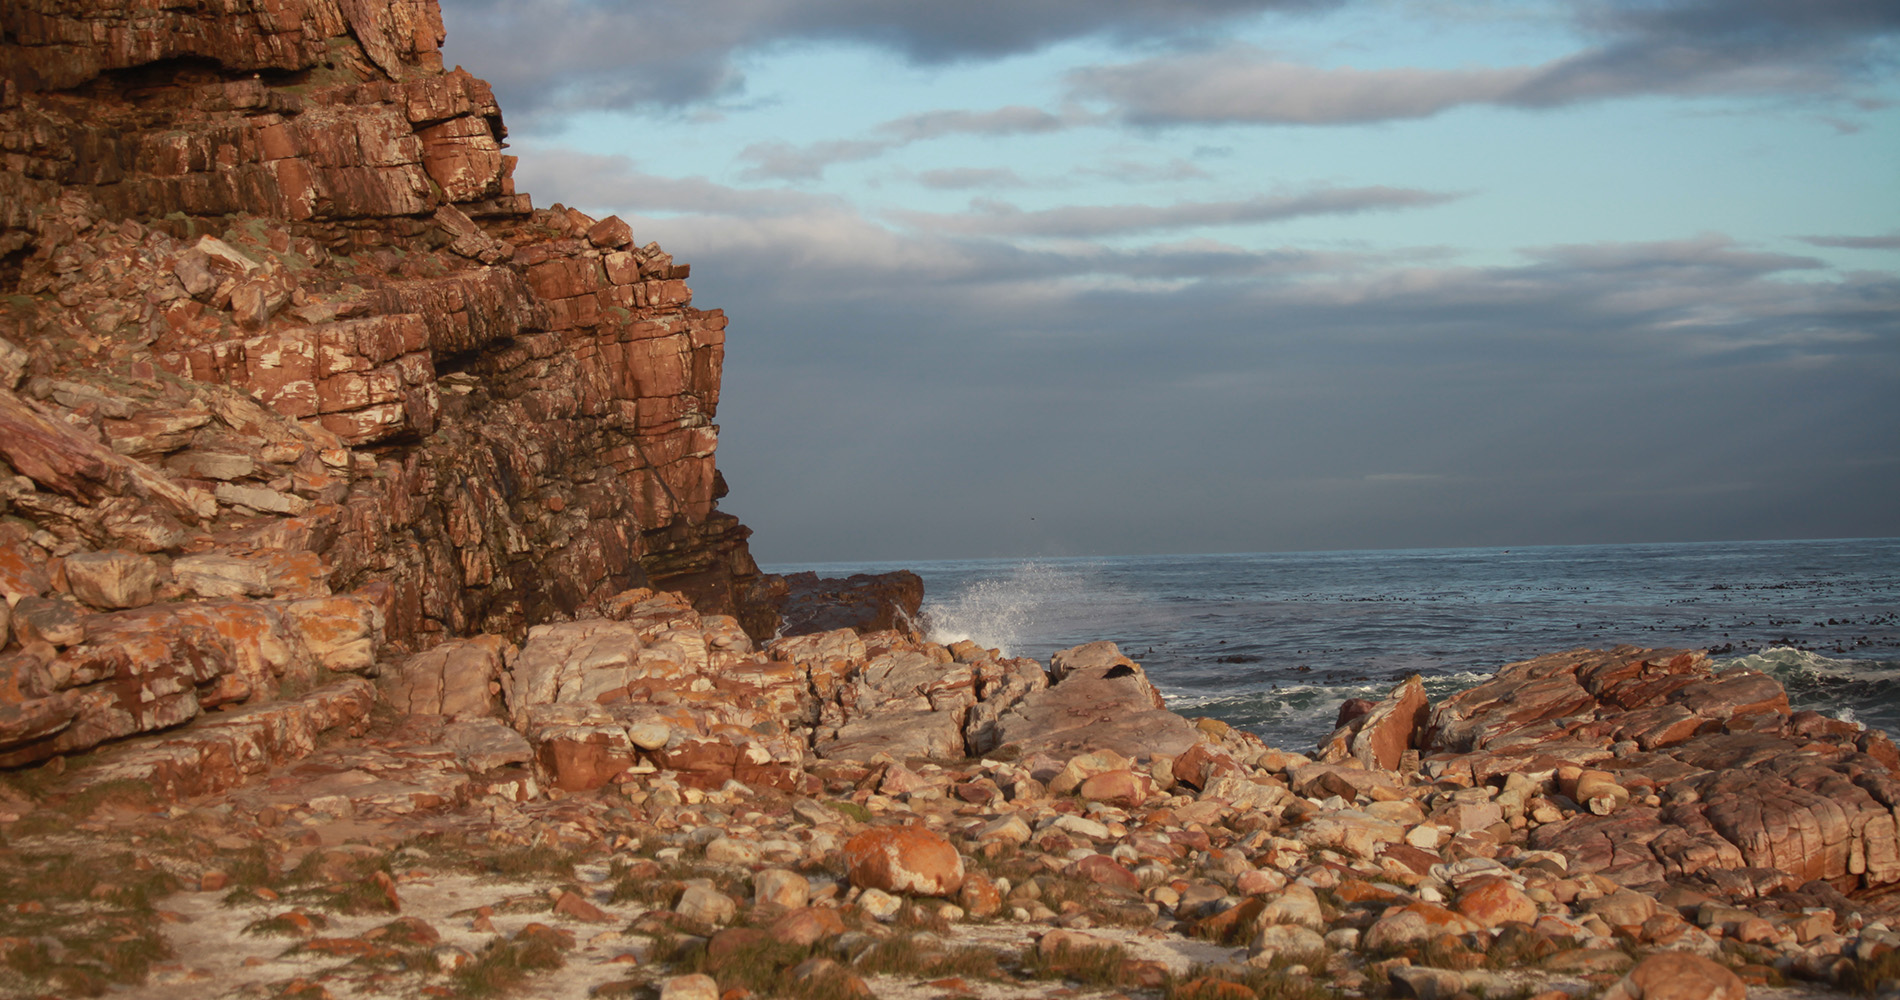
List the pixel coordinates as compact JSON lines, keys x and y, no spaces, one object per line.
{"x":1298,"y":716}
{"x":1004,"y":612}
{"x":1863,"y":691}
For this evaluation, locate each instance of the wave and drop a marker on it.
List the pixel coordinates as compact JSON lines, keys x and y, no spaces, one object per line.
{"x":1852,"y":690}
{"x":1003,"y":612}
{"x":1298,"y":716}
{"x":1786,"y":662}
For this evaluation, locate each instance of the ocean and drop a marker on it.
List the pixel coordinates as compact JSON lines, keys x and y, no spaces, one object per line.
{"x":1274,"y":642}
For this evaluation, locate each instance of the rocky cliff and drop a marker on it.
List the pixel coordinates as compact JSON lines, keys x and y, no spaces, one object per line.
{"x":296,"y":392}
{"x":279,"y":333}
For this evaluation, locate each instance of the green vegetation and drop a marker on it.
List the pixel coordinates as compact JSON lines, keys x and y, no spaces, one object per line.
{"x":505,"y":965}
{"x":79,"y":925}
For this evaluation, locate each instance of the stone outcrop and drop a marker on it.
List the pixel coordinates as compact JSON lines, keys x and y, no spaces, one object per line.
{"x":865,"y":602}
{"x":304,"y":408}
{"x":691,"y":764}
{"x":1682,"y":773}
{"x":1379,"y":734}
{"x":1101,"y":700}
{"x":655,"y":685}
{"x":1666,"y":770}
{"x":276,"y":327}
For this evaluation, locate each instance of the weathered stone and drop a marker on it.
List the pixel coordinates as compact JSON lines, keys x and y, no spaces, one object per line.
{"x":1296,"y":904}
{"x":690,"y":987}
{"x":905,"y":859}
{"x":48,"y":620}
{"x":483,"y":745}
{"x":806,"y":926}
{"x":1280,"y":942}
{"x":1415,"y":923}
{"x":112,"y":579}
{"x":862,"y":602}
{"x":780,"y":887}
{"x":1677,"y":976}
{"x":1082,"y":767}
{"x":1493,"y":902}
{"x":460,"y":677}
{"x":899,"y":734}
{"x":1379,"y":736}
{"x":1425,"y":983}
{"x":1102,"y":701}
{"x":215,"y":575}
{"x":341,"y":632}
{"x":1123,"y":787}
{"x":706,"y":905}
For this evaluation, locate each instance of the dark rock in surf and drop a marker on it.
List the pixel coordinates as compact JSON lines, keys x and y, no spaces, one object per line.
{"x":863,"y":601}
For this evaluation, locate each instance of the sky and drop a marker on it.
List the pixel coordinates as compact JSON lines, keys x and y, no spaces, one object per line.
{"x":1102,"y":277}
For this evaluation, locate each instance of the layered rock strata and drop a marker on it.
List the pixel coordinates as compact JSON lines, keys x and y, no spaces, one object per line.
{"x":1226,"y":869}
{"x":276,"y":328}
{"x":1653,"y":767}
{"x":654,"y":685}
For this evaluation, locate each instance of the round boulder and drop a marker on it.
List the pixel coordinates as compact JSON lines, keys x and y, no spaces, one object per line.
{"x":1674,"y":975}
{"x":904,"y":859}
{"x":1494,"y":902}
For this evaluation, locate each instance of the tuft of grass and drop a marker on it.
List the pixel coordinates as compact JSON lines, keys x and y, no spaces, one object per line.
{"x":1205,"y":983}
{"x":1106,"y":966}
{"x":851,"y":810}
{"x":925,"y":955}
{"x":541,"y":860}
{"x":122,"y":793}
{"x":758,"y":966}
{"x":250,"y":868}
{"x":503,"y":966}
{"x":344,"y":884}
{"x":1868,"y":977}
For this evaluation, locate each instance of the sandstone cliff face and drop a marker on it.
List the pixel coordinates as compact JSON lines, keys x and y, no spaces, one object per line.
{"x":283,"y":350}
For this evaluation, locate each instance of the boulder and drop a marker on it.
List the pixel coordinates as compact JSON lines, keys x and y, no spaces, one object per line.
{"x":1100,"y":701}
{"x":1493,"y":902}
{"x":862,"y":602}
{"x":1677,"y":976}
{"x":460,"y":677}
{"x":113,"y":579}
{"x":1380,"y":736}
{"x":908,"y":859}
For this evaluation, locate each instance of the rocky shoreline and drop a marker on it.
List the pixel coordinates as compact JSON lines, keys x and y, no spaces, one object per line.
{"x":627,"y":803}
{"x":370,"y":628}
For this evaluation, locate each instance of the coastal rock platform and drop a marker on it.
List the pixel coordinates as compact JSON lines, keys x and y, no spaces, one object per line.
{"x":648,"y":796}
{"x":369,"y":628}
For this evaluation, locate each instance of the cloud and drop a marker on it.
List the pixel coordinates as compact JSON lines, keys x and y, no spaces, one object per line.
{"x":1094,"y":221}
{"x":964,"y":178}
{"x":901,"y":396}
{"x":1244,"y":84}
{"x":903,"y":392}
{"x":578,"y":178}
{"x":552,"y":55}
{"x":1683,"y":48}
{"x":1132,"y":172}
{"x":779,"y":160}
{"x":1888,"y":242}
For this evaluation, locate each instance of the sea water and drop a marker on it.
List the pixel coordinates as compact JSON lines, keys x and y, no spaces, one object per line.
{"x":1275,"y":642}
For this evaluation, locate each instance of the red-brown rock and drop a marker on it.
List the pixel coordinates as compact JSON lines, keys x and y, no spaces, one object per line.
{"x":908,"y":859}
{"x":1677,"y":976}
{"x":1494,"y":902}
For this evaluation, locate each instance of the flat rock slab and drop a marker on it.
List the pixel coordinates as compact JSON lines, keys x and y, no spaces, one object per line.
{"x":1105,"y":703}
